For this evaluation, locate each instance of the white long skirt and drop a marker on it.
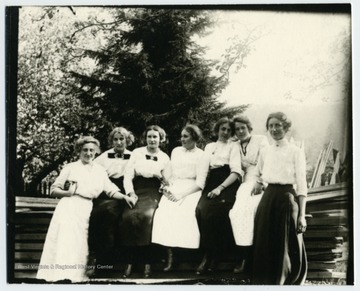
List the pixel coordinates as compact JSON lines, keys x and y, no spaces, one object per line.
{"x":175,"y":223}
{"x":65,"y":250}
{"x":242,"y":215}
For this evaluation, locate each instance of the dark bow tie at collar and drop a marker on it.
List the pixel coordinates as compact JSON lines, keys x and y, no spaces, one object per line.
{"x":148,"y":157}
{"x":119,"y":156}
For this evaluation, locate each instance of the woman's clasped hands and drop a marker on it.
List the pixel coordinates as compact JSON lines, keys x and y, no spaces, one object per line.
{"x":131,"y":199}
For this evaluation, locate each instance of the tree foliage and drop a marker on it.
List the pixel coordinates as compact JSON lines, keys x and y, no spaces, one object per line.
{"x":83,"y":73}
{"x":152,"y":72}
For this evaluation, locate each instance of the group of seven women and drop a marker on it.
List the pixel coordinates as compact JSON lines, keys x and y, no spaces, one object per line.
{"x":239,"y":191}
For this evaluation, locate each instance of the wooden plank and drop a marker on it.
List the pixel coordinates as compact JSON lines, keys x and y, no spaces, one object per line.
{"x":324,"y":233}
{"x":321,"y":245}
{"x":316,"y":169}
{"x":31,"y":228}
{"x":327,"y":212}
{"x":28,"y":246}
{"x":323,"y":163}
{"x":328,"y":188}
{"x":27,"y":256}
{"x":37,"y":200}
{"x":338,"y":239}
{"x":25,"y":275}
{"x":327,"y":195}
{"x":340,"y":220}
{"x":321,"y":265}
{"x":30,"y":236}
{"x":325,"y":275}
{"x":33,"y":220}
{"x":327,"y":205}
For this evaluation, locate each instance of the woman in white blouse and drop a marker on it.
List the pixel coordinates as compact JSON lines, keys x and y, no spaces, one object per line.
{"x":142,"y":180}
{"x":106,"y":212}
{"x":279,"y":252}
{"x":223,"y":161}
{"x":65,"y":251}
{"x":242,"y":214}
{"x":175,"y":223}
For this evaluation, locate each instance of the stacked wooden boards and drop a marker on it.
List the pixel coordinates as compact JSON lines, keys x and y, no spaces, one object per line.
{"x":326,"y":238}
{"x":327,"y":235}
{"x":32,"y":218}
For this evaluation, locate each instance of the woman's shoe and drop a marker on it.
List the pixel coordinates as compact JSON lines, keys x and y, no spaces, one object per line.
{"x":202,"y":267}
{"x":170,"y":258}
{"x":127,"y":271}
{"x":90,"y":271}
{"x":212,"y":265}
{"x":147,"y":271}
{"x":240,"y":268}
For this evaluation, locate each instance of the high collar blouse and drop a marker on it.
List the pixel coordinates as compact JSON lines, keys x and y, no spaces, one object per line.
{"x":140,"y":165}
{"x":250,"y":156}
{"x":185,"y":164}
{"x":91,"y":179}
{"x":283,"y":163}
{"x":115,"y":167}
{"x":218,"y":154}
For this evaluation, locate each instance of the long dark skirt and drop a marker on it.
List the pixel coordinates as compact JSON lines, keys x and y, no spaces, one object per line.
{"x":279,"y":252}
{"x":104,"y":220}
{"x":213,"y":214}
{"x":136,"y":225}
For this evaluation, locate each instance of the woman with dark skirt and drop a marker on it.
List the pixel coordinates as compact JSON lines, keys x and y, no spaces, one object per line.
{"x":142,"y":180}
{"x":279,"y":251}
{"x":106,"y":212}
{"x":223,"y":161}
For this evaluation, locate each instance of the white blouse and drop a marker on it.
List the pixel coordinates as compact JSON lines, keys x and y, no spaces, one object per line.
{"x":140,"y":165}
{"x":218,"y":154}
{"x":250,"y":153}
{"x":114,"y":165}
{"x":91,"y":179}
{"x":185,"y":164}
{"x":283,"y":163}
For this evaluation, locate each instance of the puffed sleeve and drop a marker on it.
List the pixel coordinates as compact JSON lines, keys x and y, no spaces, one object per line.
{"x":202,"y":168}
{"x":300,"y":172}
{"x":130,"y":173}
{"x":235,"y":159}
{"x":60,"y":180}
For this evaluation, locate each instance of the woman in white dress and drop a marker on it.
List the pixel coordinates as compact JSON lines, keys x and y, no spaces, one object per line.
{"x":175,"y":223}
{"x":242,"y":214}
{"x":142,"y":180}
{"x":106,"y":212}
{"x":223,"y":161}
{"x":65,"y":251}
{"x":279,"y":256}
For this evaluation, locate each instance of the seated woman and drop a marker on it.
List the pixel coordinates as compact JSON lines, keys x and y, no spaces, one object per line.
{"x":175,"y":223}
{"x":142,"y":180}
{"x":279,"y":251}
{"x":106,"y":212}
{"x":242,"y":214}
{"x":222,"y":158}
{"x":66,"y":243}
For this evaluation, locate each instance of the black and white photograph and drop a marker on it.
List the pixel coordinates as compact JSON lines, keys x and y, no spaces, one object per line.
{"x":203,"y":144}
